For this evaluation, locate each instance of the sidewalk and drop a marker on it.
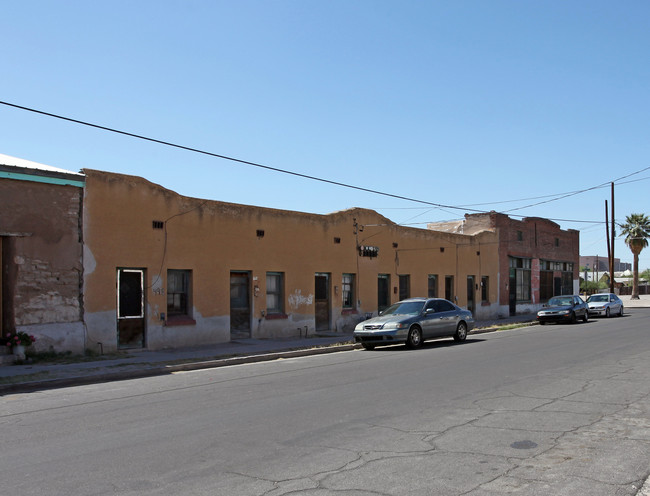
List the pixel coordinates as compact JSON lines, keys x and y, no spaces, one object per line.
{"x":145,"y":363}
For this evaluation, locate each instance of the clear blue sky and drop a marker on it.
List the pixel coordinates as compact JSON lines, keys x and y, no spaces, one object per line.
{"x":470,"y":104}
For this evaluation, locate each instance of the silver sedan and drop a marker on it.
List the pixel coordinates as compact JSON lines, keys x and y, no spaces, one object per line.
{"x":414,"y":320}
{"x":605,"y":304}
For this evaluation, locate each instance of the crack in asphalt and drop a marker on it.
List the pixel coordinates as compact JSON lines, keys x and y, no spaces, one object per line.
{"x":569,"y":452}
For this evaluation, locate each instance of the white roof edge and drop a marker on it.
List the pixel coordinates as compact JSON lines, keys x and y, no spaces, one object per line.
{"x":26,"y":164}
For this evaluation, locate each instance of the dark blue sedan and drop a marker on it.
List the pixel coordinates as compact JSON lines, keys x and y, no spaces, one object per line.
{"x":567,"y":308}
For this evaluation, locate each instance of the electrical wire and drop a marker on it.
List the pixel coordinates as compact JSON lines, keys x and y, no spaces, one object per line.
{"x":441,"y":206}
{"x":232,"y":159}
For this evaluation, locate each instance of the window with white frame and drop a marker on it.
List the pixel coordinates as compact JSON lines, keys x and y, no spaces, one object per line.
{"x":347,"y":291}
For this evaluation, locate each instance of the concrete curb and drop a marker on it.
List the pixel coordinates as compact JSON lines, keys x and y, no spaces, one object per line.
{"x":23,"y":387}
{"x":158,"y":370}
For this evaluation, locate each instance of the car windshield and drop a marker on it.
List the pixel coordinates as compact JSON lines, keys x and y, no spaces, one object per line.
{"x":404,"y":308}
{"x":563,"y":301}
{"x":598,"y":298}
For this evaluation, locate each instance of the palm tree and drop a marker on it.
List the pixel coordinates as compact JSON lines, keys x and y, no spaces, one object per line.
{"x":637,"y":231}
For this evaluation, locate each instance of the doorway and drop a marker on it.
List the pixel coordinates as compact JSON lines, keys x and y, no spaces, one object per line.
{"x":512,"y":294}
{"x":471,"y":306}
{"x":240,"y":310}
{"x":383,"y":292}
{"x":130,"y":308}
{"x":322,"y":301}
{"x":449,"y":288}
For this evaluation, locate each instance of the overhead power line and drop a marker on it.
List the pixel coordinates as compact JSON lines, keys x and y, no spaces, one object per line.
{"x":232,"y":159}
{"x":319,"y":179}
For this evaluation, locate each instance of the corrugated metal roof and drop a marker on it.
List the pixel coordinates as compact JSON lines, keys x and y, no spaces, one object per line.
{"x":26,"y":164}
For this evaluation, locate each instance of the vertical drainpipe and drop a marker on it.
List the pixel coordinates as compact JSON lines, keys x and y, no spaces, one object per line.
{"x":82,"y":309}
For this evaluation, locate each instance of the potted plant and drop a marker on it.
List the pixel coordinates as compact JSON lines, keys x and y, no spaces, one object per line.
{"x":18,"y":341}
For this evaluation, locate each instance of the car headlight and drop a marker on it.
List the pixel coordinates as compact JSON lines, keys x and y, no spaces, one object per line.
{"x":395,"y":325}
{"x":565,"y":312}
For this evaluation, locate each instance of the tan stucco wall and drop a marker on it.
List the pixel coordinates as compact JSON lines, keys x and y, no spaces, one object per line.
{"x":213,"y":238}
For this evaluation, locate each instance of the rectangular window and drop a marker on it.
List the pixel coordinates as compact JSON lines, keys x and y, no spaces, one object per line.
{"x":485,"y":288}
{"x":404,"y":286}
{"x":433,"y":286}
{"x":521,"y":267}
{"x":178,"y":292}
{"x":348,"y":291}
{"x":274,"y":292}
{"x":523,"y":285}
{"x":555,"y":279}
{"x":449,"y":288}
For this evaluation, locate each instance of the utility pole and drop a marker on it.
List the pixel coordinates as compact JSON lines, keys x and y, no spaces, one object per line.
{"x":611,"y":258}
{"x":609,"y":250}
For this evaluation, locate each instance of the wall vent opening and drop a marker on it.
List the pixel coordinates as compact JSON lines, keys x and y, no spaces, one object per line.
{"x":158,"y":224}
{"x":260,"y":233}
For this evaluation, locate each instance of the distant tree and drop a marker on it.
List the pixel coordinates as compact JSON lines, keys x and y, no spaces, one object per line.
{"x":645,"y":275}
{"x":636,"y":231}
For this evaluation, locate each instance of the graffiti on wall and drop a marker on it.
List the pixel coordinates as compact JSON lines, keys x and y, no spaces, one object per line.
{"x":297,"y":299}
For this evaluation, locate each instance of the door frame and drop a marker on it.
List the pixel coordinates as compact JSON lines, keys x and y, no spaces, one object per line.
{"x":471,"y":294}
{"x":236,"y":333}
{"x":133,"y":318}
{"x":323,"y":324}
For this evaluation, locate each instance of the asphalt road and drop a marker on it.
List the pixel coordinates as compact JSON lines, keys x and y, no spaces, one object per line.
{"x":553,"y":410}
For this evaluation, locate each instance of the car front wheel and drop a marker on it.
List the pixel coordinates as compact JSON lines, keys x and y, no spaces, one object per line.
{"x":585,"y":318}
{"x":461,"y":332}
{"x":368,"y":346}
{"x":607,"y":312}
{"x":414,"y":338}
{"x":620,"y":312}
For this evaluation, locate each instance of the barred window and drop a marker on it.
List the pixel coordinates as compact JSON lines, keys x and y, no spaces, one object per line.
{"x":521,"y":268}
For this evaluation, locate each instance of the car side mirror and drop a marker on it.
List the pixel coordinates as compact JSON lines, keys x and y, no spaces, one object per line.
{"x":430,"y":310}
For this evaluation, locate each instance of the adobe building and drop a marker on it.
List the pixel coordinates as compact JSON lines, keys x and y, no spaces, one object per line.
{"x":40,"y":253}
{"x":536,"y":259}
{"x":163,"y":270}
{"x":102,"y":261}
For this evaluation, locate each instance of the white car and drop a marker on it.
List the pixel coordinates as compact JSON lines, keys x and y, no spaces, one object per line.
{"x":605,"y":304}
